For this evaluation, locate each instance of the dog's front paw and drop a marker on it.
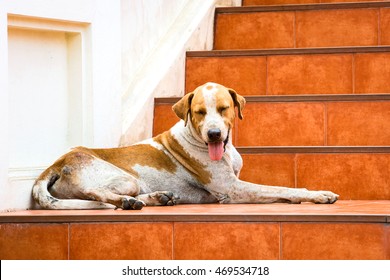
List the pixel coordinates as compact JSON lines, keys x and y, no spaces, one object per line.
{"x":325,"y":197}
{"x":166,"y":198}
{"x":132,"y":204}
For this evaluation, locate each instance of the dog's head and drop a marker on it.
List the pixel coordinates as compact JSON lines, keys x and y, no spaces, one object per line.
{"x":211,"y":110}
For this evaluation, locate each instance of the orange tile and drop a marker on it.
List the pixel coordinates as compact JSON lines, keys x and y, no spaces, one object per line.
{"x":269,"y":169}
{"x":337,"y":241}
{"x":352,"y":176}
{"x":282,"y":124}
{"x":33,"y":242}
{"x":246,"y":75}
{"x":226,"y":241}
{"x":254,"y":30}
{"x":277,"y":2}
{"x":309,"y":74}
{"x":326,"y":28}
{"x":358,"y":124}
{"x":164,"y":118}
{"x":115,"y":241}
{"x":385,"y":26}
{"x":372,"y":72}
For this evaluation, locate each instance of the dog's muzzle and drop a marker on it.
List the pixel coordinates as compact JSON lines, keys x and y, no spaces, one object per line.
{"x":215,"y":144}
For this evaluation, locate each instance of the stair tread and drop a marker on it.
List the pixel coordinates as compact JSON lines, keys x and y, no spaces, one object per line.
{"x":288,"y":51}
{"x":314,"y":149}
{"x":295,"y":98}
{"x":377,"y":211}
{"x":302,"y":7}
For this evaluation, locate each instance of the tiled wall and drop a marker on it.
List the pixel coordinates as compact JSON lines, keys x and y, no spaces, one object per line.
{"x":322,"y":171}
{"x":302,"y":123}
{"x":302,"y":29}
{"x":293,"y":74}
{"x":167,"y":240}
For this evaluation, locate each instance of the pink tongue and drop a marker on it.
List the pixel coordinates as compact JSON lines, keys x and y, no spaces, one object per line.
{"x":216,"y":150}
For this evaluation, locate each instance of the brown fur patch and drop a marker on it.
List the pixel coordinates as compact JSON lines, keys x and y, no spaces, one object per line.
{"x":127,"y":157}
{"x":196,"y":168}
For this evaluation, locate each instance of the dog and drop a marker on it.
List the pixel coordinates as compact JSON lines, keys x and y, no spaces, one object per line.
{"x":192,"y":163}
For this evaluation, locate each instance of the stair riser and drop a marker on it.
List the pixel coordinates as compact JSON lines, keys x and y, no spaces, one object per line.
{"x":352,"y":176}
{"x":303,"y":123}
{"x":293,"y":74}
{"x":302,"y":29}
{"x":166,"y":241}
{"x":283,"y":2}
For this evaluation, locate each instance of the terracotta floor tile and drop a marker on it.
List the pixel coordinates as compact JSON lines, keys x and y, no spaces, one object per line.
{"x":372,"y":72}
{"x":326,"y":28}
{"x":282,"y":124}
{"x":254,"y":30}
{"x":352,"y":176}
{"x":385,"y":26}
{"x":324,"y":241}
{"x":358,"y":124}
{"x":269,"y":169}
{"x":33,"y":242}
{"x":164,"y":118}
{"x":246,"y":75}
{"x":115,"y":241}
{"x":309,"y":74}
{"x":230,"y":241}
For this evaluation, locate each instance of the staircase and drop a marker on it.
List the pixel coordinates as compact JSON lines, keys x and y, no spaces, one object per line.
{"x":316,"y":77}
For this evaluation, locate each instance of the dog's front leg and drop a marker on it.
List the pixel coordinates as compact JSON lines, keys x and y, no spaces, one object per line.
{"x":245,"y":192}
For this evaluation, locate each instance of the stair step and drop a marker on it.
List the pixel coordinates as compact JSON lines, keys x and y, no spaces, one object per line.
{"x":273,"y":231}
{"x":352,"y":172}
{"x":311,"y":25}
{"x":323,"y":120}
{"x":278,"y":72}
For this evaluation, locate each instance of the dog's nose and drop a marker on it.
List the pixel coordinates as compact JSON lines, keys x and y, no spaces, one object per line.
{"x":214,"y":134}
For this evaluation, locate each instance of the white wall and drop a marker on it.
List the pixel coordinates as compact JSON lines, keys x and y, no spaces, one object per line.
{"x":60,"y":86}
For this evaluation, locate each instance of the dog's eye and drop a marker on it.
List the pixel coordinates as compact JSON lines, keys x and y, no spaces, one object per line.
{"x":200,"y":112}
{"x":223,"y":109}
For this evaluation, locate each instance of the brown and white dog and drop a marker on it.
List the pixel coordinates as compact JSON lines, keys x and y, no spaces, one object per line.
{"x":193,"y":162}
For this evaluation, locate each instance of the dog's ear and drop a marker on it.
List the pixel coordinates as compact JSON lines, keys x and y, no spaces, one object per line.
{"x":239,"y":101}
{"x":183,"y":107}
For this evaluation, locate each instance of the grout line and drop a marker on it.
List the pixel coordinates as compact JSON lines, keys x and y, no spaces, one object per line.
{"x":353,"y":74}
{"x":173,"y":240}
{"x":280,"y":241}
{"x":325,"y":124}
{"x":295,"y":29}
{"x":296,"y":170}
{"x":266,"y":75}
{"x":379,"y":27}
{"x":69,"y":236}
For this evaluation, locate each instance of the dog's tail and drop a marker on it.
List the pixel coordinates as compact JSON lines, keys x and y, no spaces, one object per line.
{"x":45,"y":199}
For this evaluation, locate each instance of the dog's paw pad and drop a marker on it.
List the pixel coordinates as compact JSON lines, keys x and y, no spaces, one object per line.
{"x":132,"y":204}
{"x":167,"y":198}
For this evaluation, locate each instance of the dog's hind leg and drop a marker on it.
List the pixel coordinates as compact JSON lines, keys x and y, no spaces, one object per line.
{"x":106,"y":195}
{"x":159,"y":198}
